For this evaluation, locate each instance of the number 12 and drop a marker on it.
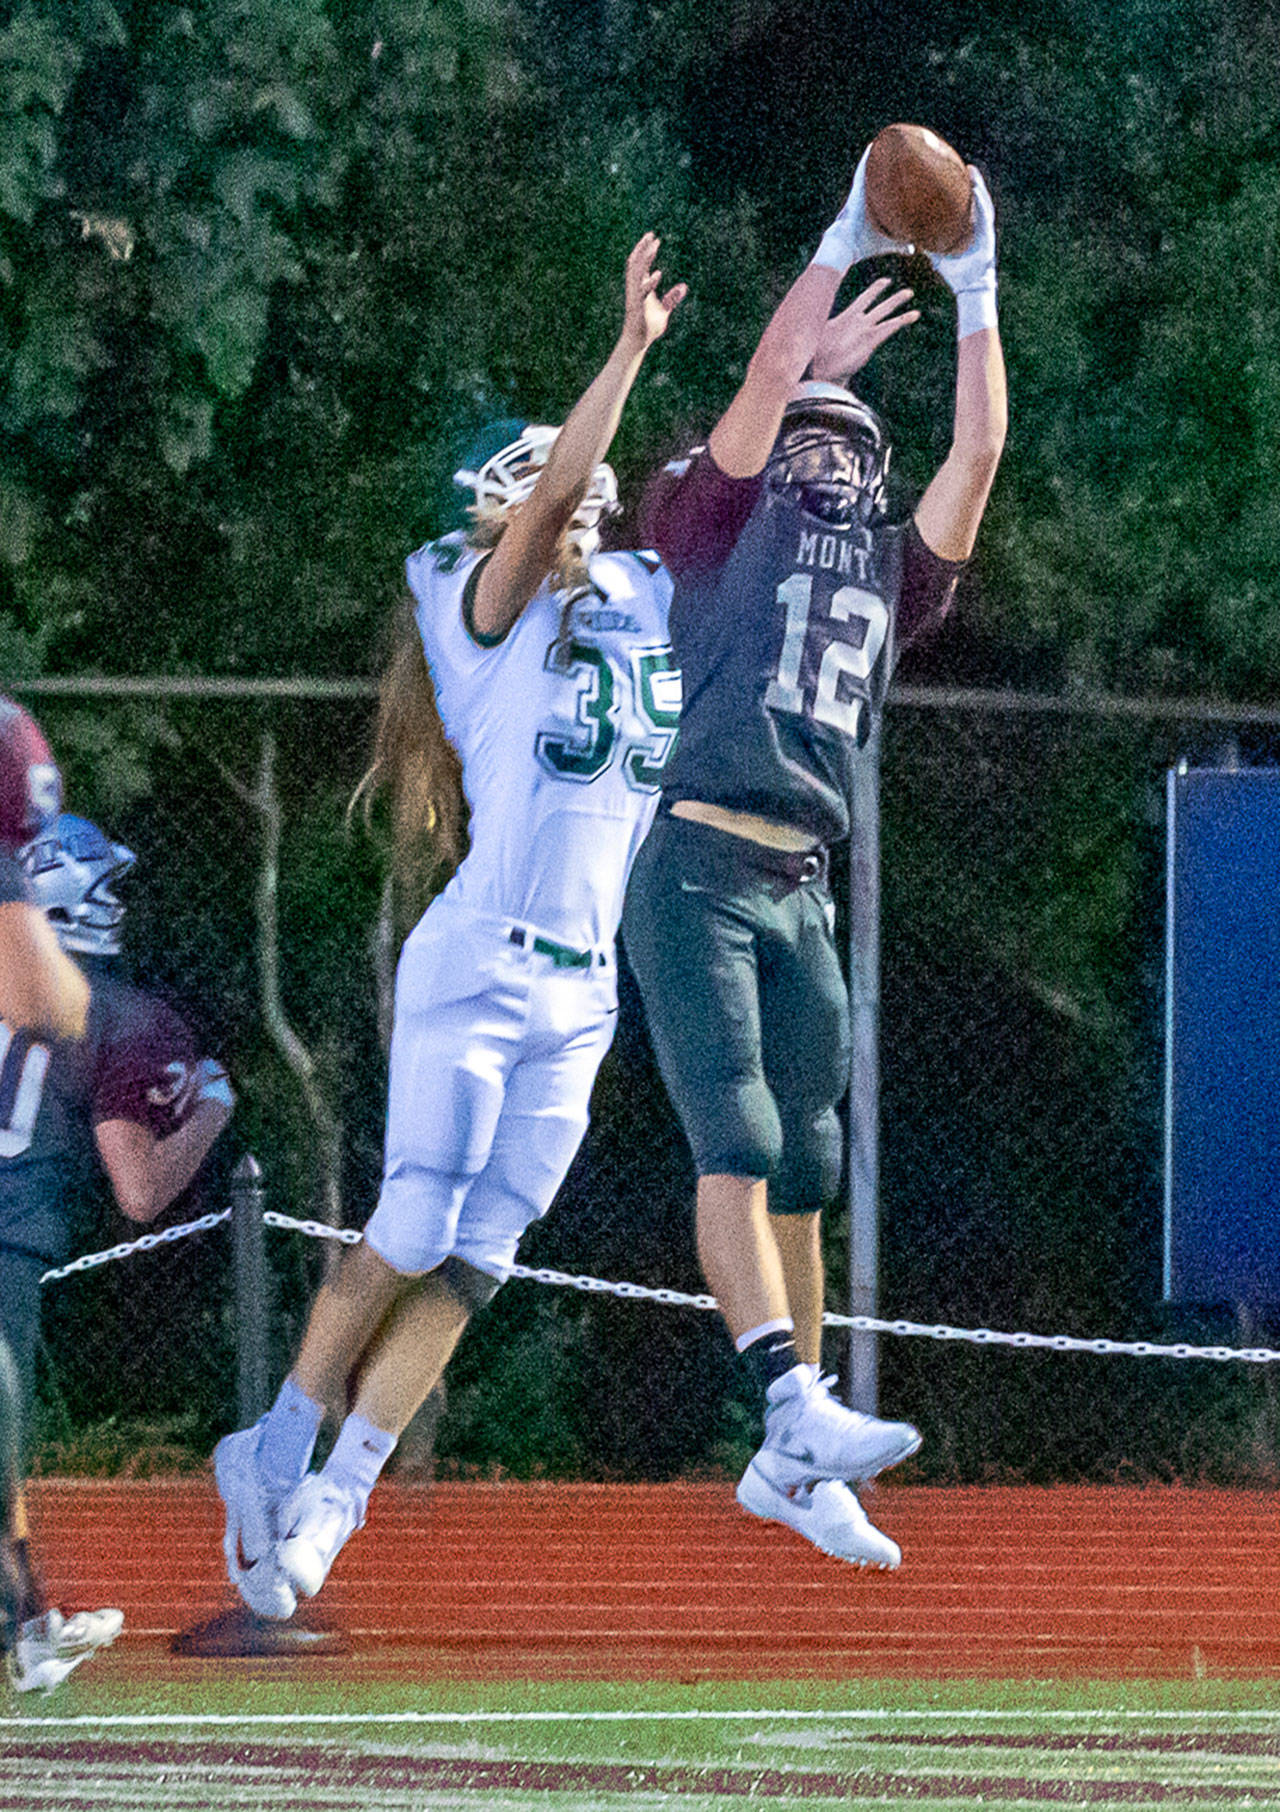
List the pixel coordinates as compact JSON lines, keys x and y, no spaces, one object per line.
{"x":840,"y":659}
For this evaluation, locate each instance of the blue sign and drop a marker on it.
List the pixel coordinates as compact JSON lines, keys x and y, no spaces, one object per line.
{"x":1222,"y":1037}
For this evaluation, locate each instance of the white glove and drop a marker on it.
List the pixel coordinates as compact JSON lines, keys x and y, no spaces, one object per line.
{"x":212,"y":1083}
{"x":851,"y":237}
{"x":971,"y":274}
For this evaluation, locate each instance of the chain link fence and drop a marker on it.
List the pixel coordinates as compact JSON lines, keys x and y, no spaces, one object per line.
{"x":1021,"y":1025}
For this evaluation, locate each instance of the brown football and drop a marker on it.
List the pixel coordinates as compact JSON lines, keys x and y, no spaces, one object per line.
{"x":919,"y":190}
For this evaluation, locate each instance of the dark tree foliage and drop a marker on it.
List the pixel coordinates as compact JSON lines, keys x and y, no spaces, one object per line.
{"x":264,"y":265}
{"x":261,"y":265}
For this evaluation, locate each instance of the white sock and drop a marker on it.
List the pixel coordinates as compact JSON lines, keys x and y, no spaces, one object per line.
{"x":783,"y":1325}
{"x":359,"y":1454}
{"x":288,"y":1437}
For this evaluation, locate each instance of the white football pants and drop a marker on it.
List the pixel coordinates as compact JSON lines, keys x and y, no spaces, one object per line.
{"x":494,"y":1052}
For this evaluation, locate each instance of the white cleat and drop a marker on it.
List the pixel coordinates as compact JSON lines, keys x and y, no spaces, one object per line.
{"x":249,"y":1539}
{"x":50,"y":1647}
{"x":804,"y":1423}
{"x":824,"y":1511}
{"x":314,"y":1524}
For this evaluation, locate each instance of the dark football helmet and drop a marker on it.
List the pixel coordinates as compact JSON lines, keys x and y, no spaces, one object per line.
{"x":71,"y":869}
{"x":30,"y":784}
{"x":832,"y":454}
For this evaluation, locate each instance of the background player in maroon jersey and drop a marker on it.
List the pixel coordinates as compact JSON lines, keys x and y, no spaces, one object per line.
{"x":793,"y":593}
{"x":131,"y":1094}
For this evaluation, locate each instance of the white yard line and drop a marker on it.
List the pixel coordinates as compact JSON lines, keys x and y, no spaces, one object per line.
{"x":222,"y":1720}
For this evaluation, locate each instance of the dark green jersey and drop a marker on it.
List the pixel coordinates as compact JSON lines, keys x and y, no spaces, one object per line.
{"x":787,"y":631}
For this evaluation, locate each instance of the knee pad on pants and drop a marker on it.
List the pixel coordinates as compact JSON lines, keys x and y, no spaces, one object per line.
{"x":493,"y":1223}
{"x":415,"y":1222}
{"x":808,"y":1178}
{"x":735,"y":1131}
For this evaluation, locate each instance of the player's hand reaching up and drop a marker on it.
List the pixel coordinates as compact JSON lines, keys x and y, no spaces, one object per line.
{"x":851,"y":237}
{"x":971,"y":274}
{"x":647,"y":311}
{"x":850,"y":337}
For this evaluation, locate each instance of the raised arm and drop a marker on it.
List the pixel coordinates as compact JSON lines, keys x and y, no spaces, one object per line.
{"x":530,"y":544}
{"x":741,"y":441}
{"x":949,"y":513}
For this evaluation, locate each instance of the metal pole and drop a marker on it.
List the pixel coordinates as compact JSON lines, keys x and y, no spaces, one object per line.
{"x":251,"y":1290}
{"x":864,"y":1089}
{"x":1172,"y":777}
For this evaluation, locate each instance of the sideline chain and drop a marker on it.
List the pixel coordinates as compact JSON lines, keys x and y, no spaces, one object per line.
{"x":631,"y":1292}
{"x":146,"y":1243}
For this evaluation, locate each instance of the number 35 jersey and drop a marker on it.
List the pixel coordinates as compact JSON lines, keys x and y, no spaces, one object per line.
{"x":563,"y":728}
{"x":787,"y":632}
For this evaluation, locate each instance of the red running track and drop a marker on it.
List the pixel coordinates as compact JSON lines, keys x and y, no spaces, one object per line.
{"x":674,"y":1582}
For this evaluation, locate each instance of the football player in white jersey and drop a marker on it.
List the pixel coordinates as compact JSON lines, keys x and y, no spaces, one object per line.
{"x":539,"y":673}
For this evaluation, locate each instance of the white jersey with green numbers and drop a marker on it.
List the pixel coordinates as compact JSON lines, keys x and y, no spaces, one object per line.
{"x":563,"y":728}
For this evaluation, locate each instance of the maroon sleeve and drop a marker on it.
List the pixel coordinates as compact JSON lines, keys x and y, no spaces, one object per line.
{"x":693,"y":513}
{"x":928,"y":587}
{"x":146,"y":1070}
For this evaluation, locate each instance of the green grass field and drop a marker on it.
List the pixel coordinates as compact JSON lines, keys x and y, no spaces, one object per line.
{"x":238,"y":1742}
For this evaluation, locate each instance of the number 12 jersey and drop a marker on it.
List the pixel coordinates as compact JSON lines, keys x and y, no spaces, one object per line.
{"x":787,"y":631}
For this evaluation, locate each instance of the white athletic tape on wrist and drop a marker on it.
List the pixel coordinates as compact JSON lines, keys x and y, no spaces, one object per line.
{"x":835,"y":249}
{"x":975,"y":310}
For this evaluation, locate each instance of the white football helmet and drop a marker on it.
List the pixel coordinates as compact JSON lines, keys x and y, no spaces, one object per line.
{"x":70,"y":871}
{"x":504,"y":478}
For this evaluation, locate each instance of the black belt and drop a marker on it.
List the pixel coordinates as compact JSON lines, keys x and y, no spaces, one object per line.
{"x":797,"y":867}
{"x":564,"y":956}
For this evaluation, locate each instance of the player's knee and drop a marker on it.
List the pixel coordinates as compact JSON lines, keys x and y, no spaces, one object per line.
{"x":415,"y":1222}
{"x":488,"y":1241}
{"x":738,"y":1134}
{"x":473,"y":1288}
{"x":808,"y":1178}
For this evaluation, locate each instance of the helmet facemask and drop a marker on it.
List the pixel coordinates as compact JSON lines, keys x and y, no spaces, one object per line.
{"x":832,"y":457}
{"x":506,"y":479}
{"x":70,"y":871}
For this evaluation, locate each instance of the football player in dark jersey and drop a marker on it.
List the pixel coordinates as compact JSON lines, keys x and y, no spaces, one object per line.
{"x":793,"y":595}
{"x":42,"y":989}
{"x":39,"y":986}
{"x":132,"y":1094}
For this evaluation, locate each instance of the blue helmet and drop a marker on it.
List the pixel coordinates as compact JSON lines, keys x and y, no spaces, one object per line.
{"x":70,"y":870}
